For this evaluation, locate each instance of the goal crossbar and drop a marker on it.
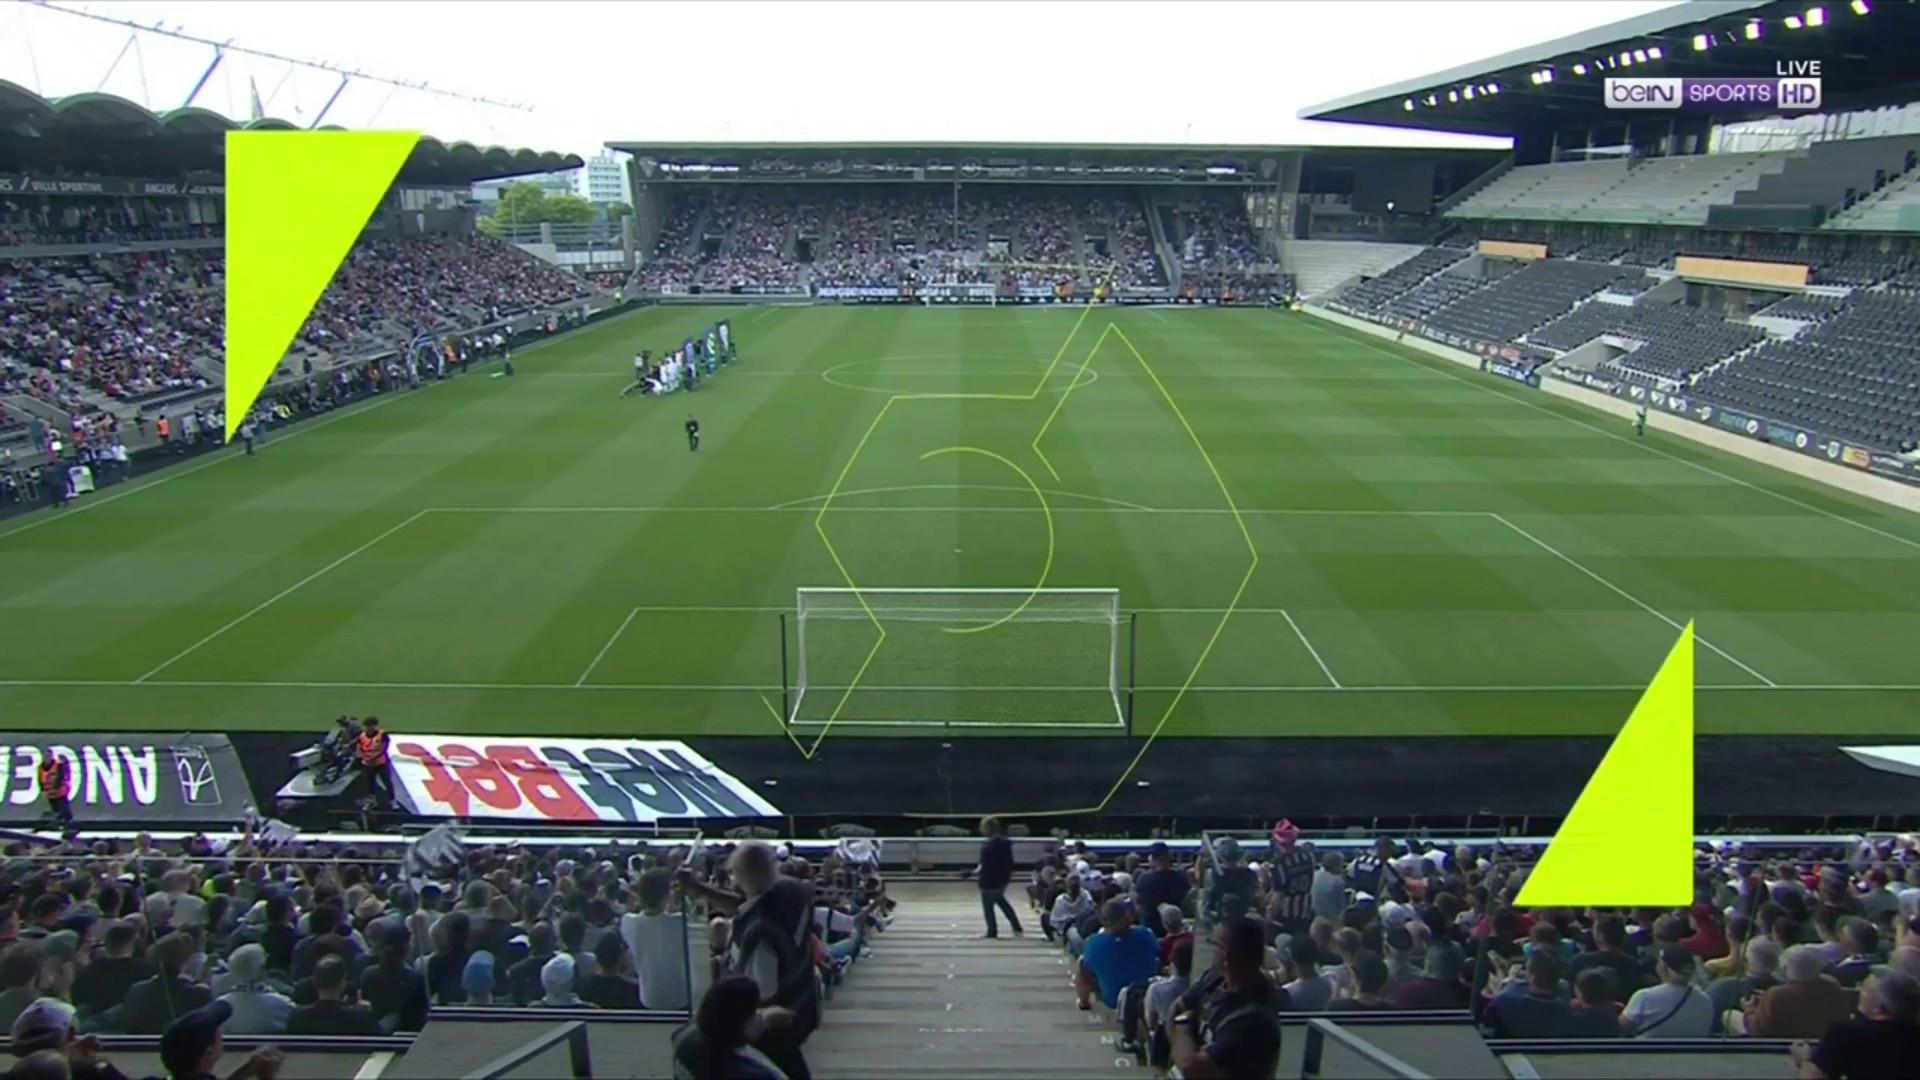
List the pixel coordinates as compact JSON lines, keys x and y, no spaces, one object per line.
{"x":958,"y":658}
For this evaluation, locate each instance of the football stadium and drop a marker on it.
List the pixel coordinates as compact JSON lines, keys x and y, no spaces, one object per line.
{"x":1256,"y":547}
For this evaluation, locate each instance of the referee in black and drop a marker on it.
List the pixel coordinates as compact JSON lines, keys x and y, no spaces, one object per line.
{"x":693,"y":433}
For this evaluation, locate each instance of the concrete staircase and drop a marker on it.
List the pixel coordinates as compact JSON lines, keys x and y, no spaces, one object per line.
{"x":936,"y":1001}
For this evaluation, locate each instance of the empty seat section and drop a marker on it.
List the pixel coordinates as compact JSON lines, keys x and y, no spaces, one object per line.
{"x":1855,"y":376}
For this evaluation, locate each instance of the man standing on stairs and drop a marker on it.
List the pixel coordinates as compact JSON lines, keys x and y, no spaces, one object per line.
{"x":996,"y":873}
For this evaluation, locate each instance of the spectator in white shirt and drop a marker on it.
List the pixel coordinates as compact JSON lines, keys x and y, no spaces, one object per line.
{"x":1070,"y":906}
{"x":258,"y":1009}
{"x":657,"y":941}
{"x":1673,"y":1009}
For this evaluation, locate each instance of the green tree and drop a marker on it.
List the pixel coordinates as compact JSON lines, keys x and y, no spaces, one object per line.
{"x":570,"y":209}
{"x":616,"y":211}
{"x":521,"y":203}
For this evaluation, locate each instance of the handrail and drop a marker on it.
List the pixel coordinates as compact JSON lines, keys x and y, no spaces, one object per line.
{"x":573,"y":1033}
{"x":1319,"y":1031}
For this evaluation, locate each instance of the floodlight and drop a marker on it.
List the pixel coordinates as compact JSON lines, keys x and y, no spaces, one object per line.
{"x":1792,"y":21}
{"x":1407,"y":104}
{"x":1817,"y":16}
{"x":1579,"y":69}
{"x":1657,"y":53}
{"x":1754,"y":29}
{"x":1640,"y":56}
{"x":1860,"y":7}
{"x":1700,"y":42}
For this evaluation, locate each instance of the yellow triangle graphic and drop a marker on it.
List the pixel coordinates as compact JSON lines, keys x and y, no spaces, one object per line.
{"x":296,"y":202}
{"x":1628,"y":841}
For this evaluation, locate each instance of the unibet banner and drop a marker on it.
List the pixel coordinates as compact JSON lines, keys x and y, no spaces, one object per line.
{"x":611,"y":781}
{"x":127,"y":780}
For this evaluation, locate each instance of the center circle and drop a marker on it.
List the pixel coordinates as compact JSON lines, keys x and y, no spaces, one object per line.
{"x":949,"y":366}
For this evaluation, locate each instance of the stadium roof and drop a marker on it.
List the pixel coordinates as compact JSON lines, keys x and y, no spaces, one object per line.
{"x":997,"y":162}
{"x":695,"y":150}
{"x":104,"y":135}
{"x":1865,"y":48}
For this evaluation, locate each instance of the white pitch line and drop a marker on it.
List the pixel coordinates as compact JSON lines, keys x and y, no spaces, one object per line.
{"x":602,"y":654}
{"x":1311,"y":651}
{"x":1537,"y":407}
{"x":1047,"y":725}
{"x":792,"y":508}
{"x":749,"y":609}
{"x":168,"y":475}
{"x":813,"y":499}
{"x":1641,"y":604}
{"x":1608,"y":688}
{"x":281,"y":595}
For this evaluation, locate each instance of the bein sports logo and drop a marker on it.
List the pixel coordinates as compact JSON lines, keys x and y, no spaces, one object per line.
{"x":1663,"y":93}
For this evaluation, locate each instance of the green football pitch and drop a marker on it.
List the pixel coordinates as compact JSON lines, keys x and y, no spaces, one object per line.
{"x":1310,"y":532}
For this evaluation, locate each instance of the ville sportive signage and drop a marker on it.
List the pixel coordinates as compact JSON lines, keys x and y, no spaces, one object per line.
{"x":611,"y":781}
{"x":29,"y":184}
{"x":127,"y":779}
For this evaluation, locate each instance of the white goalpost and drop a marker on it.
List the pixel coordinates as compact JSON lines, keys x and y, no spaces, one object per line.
{"x":986,"y":658}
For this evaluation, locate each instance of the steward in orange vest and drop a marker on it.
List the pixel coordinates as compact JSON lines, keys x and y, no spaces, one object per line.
{"x":56,"y":784}
{"x":372,"y":748}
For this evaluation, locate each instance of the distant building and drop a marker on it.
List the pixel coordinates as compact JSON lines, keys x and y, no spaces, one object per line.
{"x":604,"y":180}
{"x":557,"y":183}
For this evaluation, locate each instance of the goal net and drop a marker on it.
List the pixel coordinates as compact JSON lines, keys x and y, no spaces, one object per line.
{"x":958,"y":658}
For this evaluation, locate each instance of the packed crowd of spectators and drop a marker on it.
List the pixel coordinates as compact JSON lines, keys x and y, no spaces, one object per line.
{"x":1820,"y":946}
{"x":265,"y":939}
{"x":1018,"y":237}
{"x":83,"y":333}
{"x":121,"y":326}
{"x":1220,"y":252}
{"x":393,"y":288}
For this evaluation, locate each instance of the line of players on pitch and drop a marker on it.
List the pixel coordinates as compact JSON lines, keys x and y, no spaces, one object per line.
{"x":683,"y":368}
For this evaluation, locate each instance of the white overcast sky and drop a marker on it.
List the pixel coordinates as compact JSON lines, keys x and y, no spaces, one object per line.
{"x":1094,"y":71}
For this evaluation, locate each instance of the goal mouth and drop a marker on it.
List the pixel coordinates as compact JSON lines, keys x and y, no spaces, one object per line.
{"x":1042,"y":659}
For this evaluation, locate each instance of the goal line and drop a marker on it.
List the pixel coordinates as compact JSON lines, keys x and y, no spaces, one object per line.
{"x":958,"y":658}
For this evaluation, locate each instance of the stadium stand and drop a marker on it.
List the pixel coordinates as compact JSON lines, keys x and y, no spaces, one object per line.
{"x":1674,"y":342}
{"x":1413,"y":945}
{"x":1833,"y":173}
{"x":1856,"y":374}
{"x":862,"y":236}
{"x":1373,"y":292}
{"x":1676,"y":191}
{"x":1385,"y":953}
{"x":1320,"y":265}
{"x":1524,"y":298}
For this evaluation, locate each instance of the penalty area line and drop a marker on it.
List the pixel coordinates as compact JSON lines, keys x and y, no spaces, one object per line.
{"x":1317,"y":688}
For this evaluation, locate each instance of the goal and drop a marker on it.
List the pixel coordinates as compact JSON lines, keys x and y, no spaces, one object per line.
{"x":990,"y":658}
